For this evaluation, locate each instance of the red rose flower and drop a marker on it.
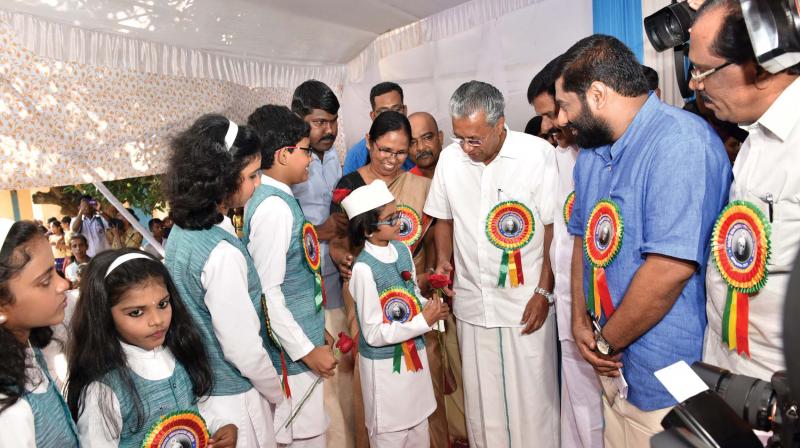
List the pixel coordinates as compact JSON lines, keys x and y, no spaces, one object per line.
{"x":345,"y":343}
{"x":339,"y":194}
{"x":406,"y":275}
{"x":438,"y":281}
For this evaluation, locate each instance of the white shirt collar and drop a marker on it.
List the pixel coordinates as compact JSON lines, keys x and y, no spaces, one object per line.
{"x":266,"y":180}
{"x":227,"y":225}
{"x":133,"y":351}
{"x":783,"y":115}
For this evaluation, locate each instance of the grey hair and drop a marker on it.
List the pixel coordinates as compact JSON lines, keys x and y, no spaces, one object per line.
{"x":476,"y":96}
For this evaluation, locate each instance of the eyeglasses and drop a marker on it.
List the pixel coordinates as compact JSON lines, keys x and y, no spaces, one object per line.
{"x":466,"y":141}
{"x":292,"y":148}
{"x":699,"y":77}
{"x":397,"y":155}
{"x":392,"y":221}
{"x":321,"y":122}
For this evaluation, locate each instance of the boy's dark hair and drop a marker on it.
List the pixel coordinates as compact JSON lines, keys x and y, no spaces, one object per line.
{"x":651,"y":76}
{"x":66,"y":220}
{"x":14,"y":256}
{"x":545,"y":80}
{"x":534,"y":126}
{"x":202,"y":173}
{"x":53,"y":219}
{"x":100,"y":354}
{"x":382,"y":89}
{"x":387,"y":122}
{"x":313,"y":94}
{"x":362,"y":225}
{"x":153,"y":222}
{"x":605,"y":59}
{"x":278,"y":127}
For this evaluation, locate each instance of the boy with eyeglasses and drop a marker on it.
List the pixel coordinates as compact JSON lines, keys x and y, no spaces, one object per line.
{"x":287,"y":255}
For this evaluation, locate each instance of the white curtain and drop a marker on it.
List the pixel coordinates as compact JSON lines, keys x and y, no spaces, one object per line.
{"x":68,"y":43}
{"x":500,"y":42}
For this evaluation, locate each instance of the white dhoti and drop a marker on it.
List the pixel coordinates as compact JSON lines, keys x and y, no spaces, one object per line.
{"x":581,"y":400}
{"x":510,"y":385}
{"x":308,"y":428}
{"x":415,"y":437}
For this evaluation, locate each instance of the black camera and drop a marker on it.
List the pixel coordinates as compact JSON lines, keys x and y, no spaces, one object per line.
{"x":773,"y":27}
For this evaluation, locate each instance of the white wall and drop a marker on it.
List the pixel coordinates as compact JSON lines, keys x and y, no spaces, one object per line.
{"x":482,"y":41}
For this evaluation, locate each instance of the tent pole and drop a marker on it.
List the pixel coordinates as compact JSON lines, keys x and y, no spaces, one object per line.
{"x":134,"y":222}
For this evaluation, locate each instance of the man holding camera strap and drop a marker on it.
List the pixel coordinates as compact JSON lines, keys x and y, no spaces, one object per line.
{"x":92,"y":223}
{"x":748,"y":280}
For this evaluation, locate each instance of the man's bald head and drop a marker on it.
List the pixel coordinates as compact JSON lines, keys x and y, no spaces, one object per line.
{"x":426,"y":140}
{"x":425,"y":119}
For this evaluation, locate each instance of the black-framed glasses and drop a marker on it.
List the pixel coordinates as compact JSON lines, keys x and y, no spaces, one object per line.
{"x":396,"y":155}
{"x":307,"y":149}
{"x":321,"y":122}
{"x":392,"y":221}
{"x":698,"y":76}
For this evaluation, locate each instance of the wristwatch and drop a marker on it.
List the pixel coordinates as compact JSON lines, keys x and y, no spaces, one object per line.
{"x":549,"y":296}
{"x":603,"y":346}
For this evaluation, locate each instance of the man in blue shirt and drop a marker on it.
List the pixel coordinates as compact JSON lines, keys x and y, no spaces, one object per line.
{"x":316,"y":103}
{"x":649,"y":182}
{"x":382,"y":97}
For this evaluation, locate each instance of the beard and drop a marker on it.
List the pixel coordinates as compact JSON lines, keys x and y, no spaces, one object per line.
{"x":592,"y":132}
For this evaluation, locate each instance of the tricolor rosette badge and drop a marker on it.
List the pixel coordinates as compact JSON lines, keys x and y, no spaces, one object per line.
{"x":569,"y":203}
{"x":313,"y":255}
{"x":410,"y":225}
{"x":510,"y":226}
{"x":179,"y":429}
{"x":399,"y":305}
{"x":601,"y":244}
{"x":740,"y":248}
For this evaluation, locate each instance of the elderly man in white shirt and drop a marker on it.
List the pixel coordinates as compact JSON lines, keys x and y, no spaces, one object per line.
{"x":766,"y":181}
{"x":492,"y":195}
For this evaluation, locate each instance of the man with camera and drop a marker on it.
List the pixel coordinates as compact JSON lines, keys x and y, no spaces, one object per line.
{"x":92,"y":223}
{"x":745,"y":311}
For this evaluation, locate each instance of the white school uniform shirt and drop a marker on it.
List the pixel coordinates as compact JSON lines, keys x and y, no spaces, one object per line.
{"x":17,"y":421}
{"x":561,"y":247}
{"x":238,"y":330}
{"x":270,"y":236}
{"x":392,"y":401}
{"x":766,"y":164}
{"x":155,"y":364}
{"x":466,"y":191}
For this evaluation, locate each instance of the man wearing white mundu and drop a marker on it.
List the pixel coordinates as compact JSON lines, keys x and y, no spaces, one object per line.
{"x":491,"y":194}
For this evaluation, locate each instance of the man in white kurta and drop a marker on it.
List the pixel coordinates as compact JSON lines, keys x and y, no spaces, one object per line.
{"x":270,"y":235}
{"x":765,"y":175}
{"x":510,"y":379}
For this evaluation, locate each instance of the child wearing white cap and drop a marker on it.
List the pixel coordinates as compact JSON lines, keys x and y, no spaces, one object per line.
{"x":392,"y":317}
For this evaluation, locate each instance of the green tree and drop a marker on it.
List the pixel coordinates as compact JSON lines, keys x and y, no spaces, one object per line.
{"x":140,"y":192}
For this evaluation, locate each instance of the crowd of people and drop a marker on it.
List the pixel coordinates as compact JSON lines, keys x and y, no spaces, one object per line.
{"x":500,"y":290}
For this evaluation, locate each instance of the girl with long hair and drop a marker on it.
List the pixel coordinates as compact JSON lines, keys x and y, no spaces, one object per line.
{"x":137,"y":357}
{"x":32,"y":411}
{"x":215,"y":166}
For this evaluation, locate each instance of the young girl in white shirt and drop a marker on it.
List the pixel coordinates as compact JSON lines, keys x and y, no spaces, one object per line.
{"x":32,"y":411}
{"x":137,"y":364}
{"x":392,"y":317}
{"x":215,"y":166}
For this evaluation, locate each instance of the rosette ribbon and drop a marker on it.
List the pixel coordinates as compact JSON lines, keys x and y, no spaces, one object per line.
{"x":509,"y":227}
{"x":399,"y":305}
{"x":284,"y":371}
{"x":182,"y":428}
{"x":313,"y":255}
{"x":569,"y":204}
{"x":601,"y":243}
{"x":740,"y":248}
